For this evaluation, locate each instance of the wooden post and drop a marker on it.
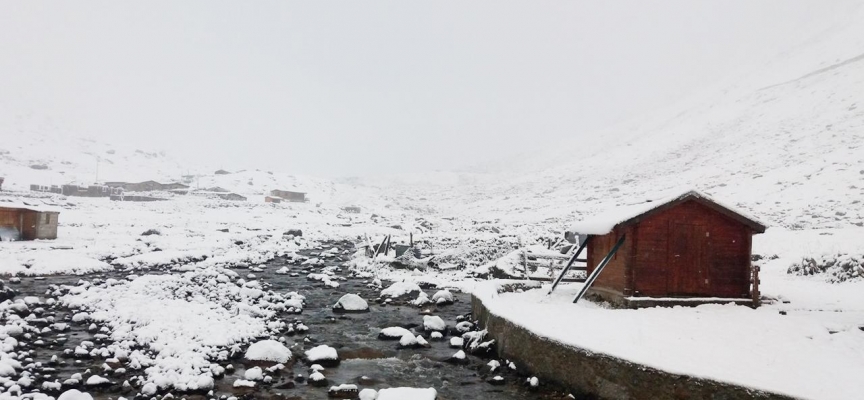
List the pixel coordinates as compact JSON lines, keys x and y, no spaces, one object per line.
{"x":757,"y":297}
{"x":525,"y":262}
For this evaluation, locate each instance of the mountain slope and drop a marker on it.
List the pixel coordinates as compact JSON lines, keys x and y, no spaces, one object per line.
{"x":785,"y":142}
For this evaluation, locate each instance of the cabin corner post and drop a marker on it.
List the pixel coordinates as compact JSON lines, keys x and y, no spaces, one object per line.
{"x":630,"y":261}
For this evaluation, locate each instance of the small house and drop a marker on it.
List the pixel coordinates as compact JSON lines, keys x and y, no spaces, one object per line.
{"x":351,"y":209}
{"x":28,"y":222}
{"x":289,"y":195}
{"x":270,"y":199}
{"x":684,"y":247}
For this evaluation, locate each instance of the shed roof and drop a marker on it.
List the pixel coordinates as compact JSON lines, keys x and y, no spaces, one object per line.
{"x":20,"y":205}
{"x":607,"y":221}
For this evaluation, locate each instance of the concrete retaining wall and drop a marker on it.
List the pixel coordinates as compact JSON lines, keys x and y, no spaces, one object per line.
{"x":594,"y":375}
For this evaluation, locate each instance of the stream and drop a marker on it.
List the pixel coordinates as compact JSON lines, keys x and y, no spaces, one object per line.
{"x":365,"y":360}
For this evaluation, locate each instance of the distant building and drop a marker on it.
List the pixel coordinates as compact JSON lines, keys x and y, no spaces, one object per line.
{"x":174,"y":186}
{"x":351,"y":209}
{"x":135,"y":198}
{"x":231,"y":196}
{"x":289,"y":195}
{"x":221,"y":172}
{"x":269,"y":199}
{"x":29,"y":222}
{"x":146,"y":186}
{"x":75,"y":190}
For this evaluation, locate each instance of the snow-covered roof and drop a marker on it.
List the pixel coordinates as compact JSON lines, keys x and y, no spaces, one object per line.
{"x":29,"y":206}
{"x":606,"y":221}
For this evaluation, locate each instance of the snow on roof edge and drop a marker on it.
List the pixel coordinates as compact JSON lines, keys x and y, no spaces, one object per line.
{"x":31,"y":207}
{"x":606,"y":221}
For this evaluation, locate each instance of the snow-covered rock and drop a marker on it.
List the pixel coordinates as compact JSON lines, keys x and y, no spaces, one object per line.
{"x":410,"y":341}
{"x":97,"y":380}
{"x":400,"y":289}
{"x":324,"y":355}
{"x":73,"y":394}
{"x":343,"y":391}
{"x":443,"y":297}
{"x":434,"y":323}
{"x":317,"y":379}
{"x":464,"y":326}
{"x":393,"y":333}
{"x":421,"y":300}
{"x":149,"y":389}
{"x":243,"y":383}
{"x":253,"y":374}
{"x":404,"y":393}
{"x":268,"y":350}
{"x":351,"y":303}
{"x":368,"y":394}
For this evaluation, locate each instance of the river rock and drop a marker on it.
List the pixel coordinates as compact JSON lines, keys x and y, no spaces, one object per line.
{"x":268,"y":350}
{"x":443,"y":297}
{"x":317,"y":379}
{"x":393,"y":333}
{"x":401,"y":289}
{"x":324,"y":355}
{"x":458,"y":358}
{"x":351,"y":303}
{"x":434,"y":323}
{"x":343,"y":391}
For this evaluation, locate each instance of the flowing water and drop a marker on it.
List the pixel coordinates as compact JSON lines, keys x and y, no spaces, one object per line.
{"x":365,"y":360}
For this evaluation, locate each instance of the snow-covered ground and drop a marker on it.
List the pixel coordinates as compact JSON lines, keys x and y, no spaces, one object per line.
{"x":784,"y":143}
{"x":809,"y":343}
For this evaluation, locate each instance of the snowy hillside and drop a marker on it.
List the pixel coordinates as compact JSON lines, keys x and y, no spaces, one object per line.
{"x":38,"y":150}
{"x":785,"y":142}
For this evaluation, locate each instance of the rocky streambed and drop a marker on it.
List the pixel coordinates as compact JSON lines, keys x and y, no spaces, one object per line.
{"x":62,"y":347}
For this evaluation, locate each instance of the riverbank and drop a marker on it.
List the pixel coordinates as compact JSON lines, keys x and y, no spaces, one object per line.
{"x":727,"y":349}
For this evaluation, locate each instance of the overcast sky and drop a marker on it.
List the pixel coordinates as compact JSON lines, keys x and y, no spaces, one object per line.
{"x":358,"y":87}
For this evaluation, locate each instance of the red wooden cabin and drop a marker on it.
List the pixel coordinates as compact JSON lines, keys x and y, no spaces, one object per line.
{"x":687,"y":246}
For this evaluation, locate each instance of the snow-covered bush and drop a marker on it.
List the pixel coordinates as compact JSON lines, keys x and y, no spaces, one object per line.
{"x":835,"y":267}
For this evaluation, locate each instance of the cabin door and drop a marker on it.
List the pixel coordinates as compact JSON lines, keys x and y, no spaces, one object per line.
{"x":687,"y":274}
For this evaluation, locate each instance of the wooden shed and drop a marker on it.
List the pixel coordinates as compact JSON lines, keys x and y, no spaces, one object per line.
{"x":687,"y":247}
{"x":30,"y":222}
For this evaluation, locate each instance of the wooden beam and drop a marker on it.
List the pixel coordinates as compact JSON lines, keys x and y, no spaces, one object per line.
{"x":596,"y":272}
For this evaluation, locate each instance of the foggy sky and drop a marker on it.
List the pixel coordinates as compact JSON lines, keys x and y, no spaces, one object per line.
{"x":358,"y":87}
